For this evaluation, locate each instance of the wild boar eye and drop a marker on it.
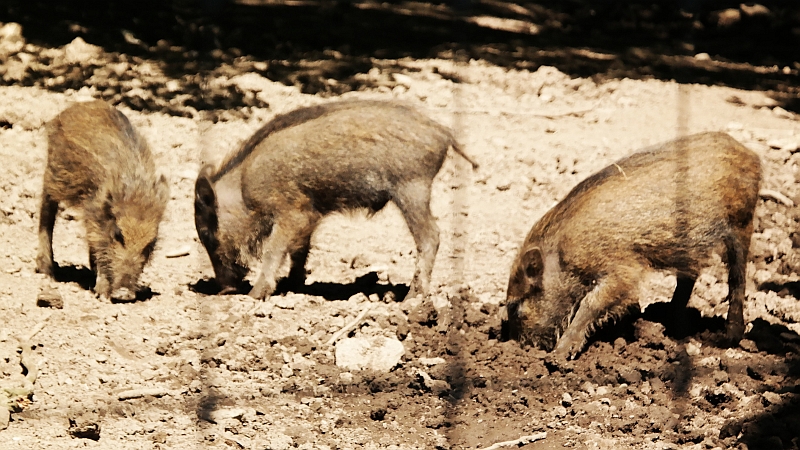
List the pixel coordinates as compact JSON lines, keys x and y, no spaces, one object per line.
{"x":148,"y":250}
{"x":119,"y":237}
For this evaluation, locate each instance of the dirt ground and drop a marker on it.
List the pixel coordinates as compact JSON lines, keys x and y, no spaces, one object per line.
{"x":232,"y":372}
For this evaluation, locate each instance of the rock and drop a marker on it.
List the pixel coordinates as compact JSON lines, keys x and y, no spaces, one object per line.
{"x":754,"y":10}
{"x":785,"y":144}
{"x":84,"y":428}
{"x":431,"y":361}
{"x":377,"y":353}
{"x":437,"y":387}
{"x":78,"y":51}
{"x":782,"y":113}
{"x":11,"y":40}
{"x":566,"y":399}
{"x":728,"y":17}
{"x":49,"y":297}
{"x":183,"y":250}
{"x":702,"y":57}
{"x":772,"y":398}
{"x":219,"y":415}
{"x":693,"y":349}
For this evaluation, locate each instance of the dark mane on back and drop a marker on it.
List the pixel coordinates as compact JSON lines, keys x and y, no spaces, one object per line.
{"x":278,"y":123}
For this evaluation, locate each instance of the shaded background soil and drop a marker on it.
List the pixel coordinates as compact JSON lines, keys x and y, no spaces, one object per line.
{"x":541,"y":94}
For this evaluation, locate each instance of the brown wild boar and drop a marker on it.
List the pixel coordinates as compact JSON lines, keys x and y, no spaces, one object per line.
{"x":269,"y":196}
{"x":96,"y":161}
{"x":666,"y":207}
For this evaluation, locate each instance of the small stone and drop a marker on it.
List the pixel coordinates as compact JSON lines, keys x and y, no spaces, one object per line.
{"x":82,"y":428}
{"x":431,"y":361}
{"x":560,"y":411}
{"x":219,"y":415}
{"x":782,"y":113}
{"x":728,"y":17}
{"x":692,"y":349}
{"x":566,"y":399}
{"x":346,"y":378}
{"x":183,"y":250}
{"x":720,"y":377}
{"x":49,"y":297}
{"x":772,"y":398}
{"x":78,"y":51}
{"x":748,"y":345}
{"x":377,"y":353}
{"x":702,"y":57}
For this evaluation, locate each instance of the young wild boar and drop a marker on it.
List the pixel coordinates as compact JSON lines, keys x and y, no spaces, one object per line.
{"x":271,"y":194}
{"x":97,"y":162}
{"x":664,"y":207}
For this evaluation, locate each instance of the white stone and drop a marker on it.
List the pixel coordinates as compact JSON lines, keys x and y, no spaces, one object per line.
{"x":377,"y":353}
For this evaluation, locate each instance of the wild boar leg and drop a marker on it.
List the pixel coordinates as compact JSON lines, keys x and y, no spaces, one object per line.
{"x":102,"y":285}
{"x":289,"y":233}
{"x":736,"y":253}
{"x":297,"y":273}
{"x":413,"y":199}
{"x":47,"y":220}
{"x":611,"y":298}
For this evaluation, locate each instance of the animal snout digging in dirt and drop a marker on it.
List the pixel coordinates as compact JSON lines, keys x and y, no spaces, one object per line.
{"x":269,"y":196}
{"x":98,"y":163}
{"x":666,"y":207}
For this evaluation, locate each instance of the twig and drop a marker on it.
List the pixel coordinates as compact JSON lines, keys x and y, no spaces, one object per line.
{"x":521,"y":441}
{"x":575,"y":112}
{"x":777,"y":196}
{"x":349,"y":326}
{"x":36,"y":329}
{"x":145,"y":392}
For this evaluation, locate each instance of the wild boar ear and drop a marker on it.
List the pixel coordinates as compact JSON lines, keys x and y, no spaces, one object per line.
{"x":205,"y":207}
{"x":531,"y":262}
{"x":204,"y":194}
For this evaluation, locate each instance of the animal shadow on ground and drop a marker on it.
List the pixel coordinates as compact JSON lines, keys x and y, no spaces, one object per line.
{"x":366,"y":284}
{"x":85,"y":278}
{"x":75,"y":274}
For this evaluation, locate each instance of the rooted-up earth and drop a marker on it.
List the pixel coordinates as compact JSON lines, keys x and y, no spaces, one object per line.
{"x":185,"y":368}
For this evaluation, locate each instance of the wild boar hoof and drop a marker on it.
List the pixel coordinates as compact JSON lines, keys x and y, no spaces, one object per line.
{"x":124,"y":294}
{"x":44,"y":267}
{"x":102,"y":288}
{"x":261,"y":290}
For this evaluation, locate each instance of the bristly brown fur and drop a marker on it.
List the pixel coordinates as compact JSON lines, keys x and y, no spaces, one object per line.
{"x":99,"y":163}
{"x":666,"y":207}
{"x":270,"y":194}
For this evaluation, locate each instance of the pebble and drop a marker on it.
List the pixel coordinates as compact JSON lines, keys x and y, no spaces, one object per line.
{"x":377,"y":353}
{"x":183,"y":250}
{"x":49,"y":297}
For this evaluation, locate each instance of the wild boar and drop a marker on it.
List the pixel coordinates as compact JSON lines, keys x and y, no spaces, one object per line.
{"x":269,"y":196}
{"x":98,"y":162}
{"x":666,"y":207}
